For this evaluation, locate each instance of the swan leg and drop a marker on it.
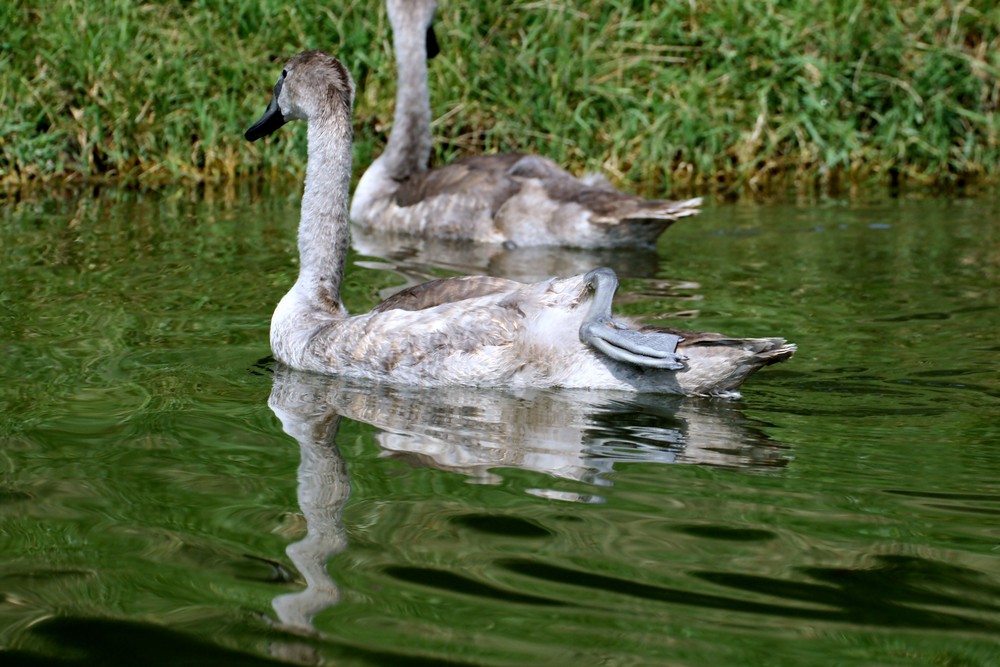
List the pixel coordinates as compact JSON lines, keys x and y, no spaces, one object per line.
{"x":655,"y":349}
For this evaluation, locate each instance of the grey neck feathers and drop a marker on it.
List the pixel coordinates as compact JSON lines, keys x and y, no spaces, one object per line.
{"x":409,"y":147}
{"x":323,"y":227}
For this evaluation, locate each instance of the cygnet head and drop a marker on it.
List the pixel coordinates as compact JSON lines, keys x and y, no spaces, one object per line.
{"x":312,"y":84}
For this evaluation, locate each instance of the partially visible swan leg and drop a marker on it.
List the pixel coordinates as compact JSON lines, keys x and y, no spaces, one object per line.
{"x":599,"y":330}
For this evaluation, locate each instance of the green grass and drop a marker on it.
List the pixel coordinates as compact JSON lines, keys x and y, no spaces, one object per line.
{"x":724,"y":96}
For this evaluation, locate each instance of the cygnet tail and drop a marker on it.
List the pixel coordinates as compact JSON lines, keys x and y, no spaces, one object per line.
{"x":780,"y":350}
{"x":665,"y":210}
{"x":743,"y":358}
{"x":717,"y":365}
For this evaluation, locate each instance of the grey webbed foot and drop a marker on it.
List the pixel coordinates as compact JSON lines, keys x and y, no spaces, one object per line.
{"x":649,"y":349}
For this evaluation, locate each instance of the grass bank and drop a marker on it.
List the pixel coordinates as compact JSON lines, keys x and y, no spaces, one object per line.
{"x":685,"y":96}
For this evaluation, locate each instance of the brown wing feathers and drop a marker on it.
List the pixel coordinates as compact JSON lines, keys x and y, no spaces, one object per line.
{"x":445,"y":290}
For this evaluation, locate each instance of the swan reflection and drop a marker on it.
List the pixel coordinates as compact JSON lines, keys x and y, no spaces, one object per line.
{"x":575,"y":435}
{"x":570,"y":435}
{"x":528,"y":264}
{"x":323,"y":490}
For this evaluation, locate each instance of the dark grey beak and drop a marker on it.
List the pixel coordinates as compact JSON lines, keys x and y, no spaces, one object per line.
{"x":272,"y":118}
{"x":432,"y":43}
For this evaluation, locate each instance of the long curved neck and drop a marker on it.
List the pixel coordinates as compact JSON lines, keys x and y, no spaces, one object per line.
{"x":323,"y":226}
{"x":409,"y":147}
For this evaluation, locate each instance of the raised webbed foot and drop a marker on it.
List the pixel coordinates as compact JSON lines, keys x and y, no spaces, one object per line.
{"x":652,"y":349}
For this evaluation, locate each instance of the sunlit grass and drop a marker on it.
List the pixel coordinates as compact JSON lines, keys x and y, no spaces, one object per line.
{"x":725,"y":95}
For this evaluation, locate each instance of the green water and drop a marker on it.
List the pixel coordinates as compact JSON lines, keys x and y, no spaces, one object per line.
{"x":155,"y":510}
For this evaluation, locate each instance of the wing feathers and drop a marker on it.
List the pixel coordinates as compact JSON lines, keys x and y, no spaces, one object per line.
{"x":445,"y":290}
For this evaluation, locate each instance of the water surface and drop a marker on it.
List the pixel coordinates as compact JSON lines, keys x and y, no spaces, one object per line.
{"x":168,"y":496}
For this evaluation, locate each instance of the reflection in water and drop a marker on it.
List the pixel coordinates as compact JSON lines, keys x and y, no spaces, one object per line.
{"x":421,"y":255}
{"x":323,"y":490}
{"x":577,"y":435}
{"x":580,"y":436}
{"x":571,"y":435}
